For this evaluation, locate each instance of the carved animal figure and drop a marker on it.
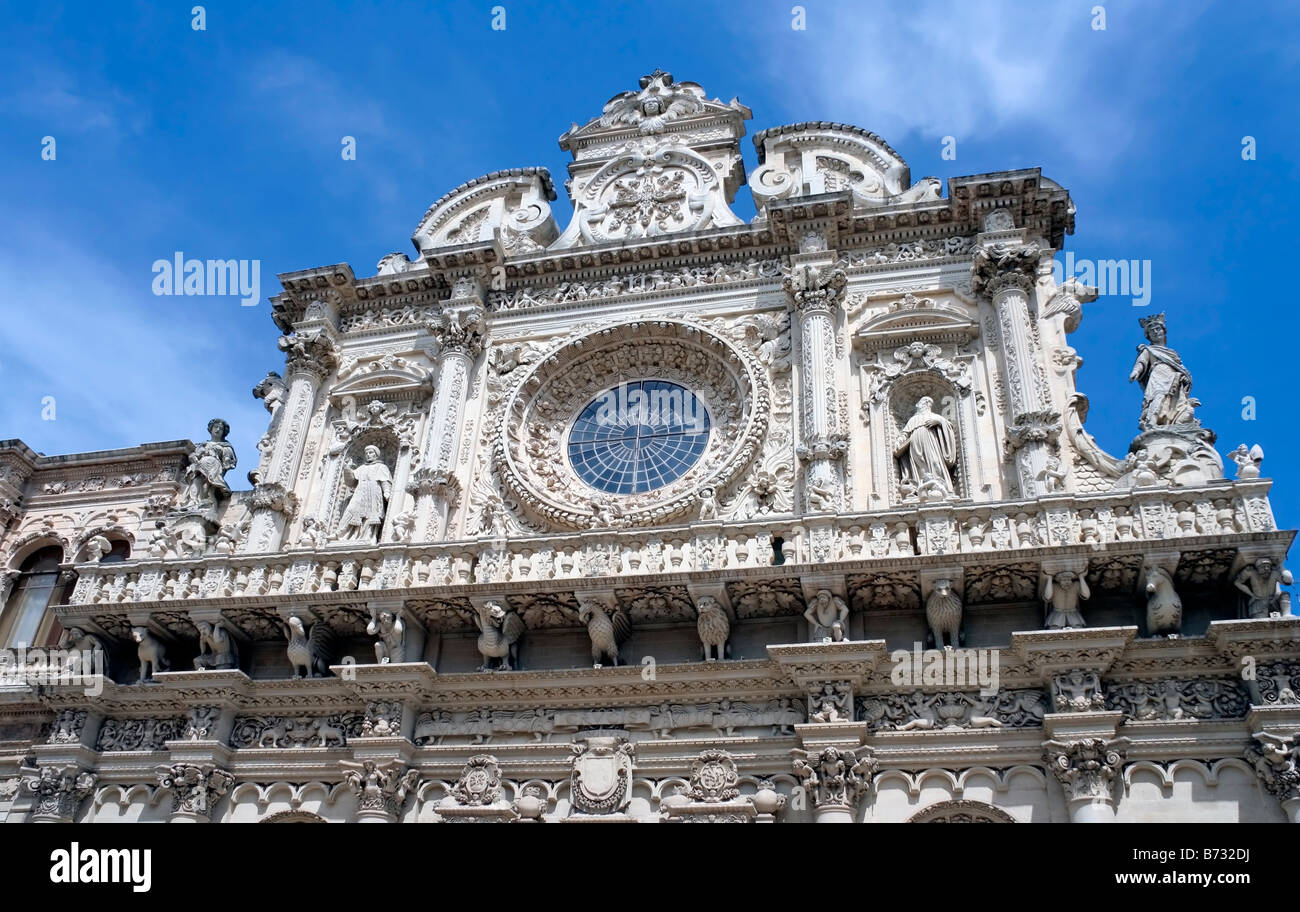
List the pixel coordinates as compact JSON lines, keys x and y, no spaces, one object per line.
{"x":500,"y":631}
{"x":943,"y":613}
{"x":1164,"y":607}
{"x":151,"y":652}
{"x":714,"y":627}
{"x":309,"y":655}
{"x":607,"y":626}
{"x":328,"y":732}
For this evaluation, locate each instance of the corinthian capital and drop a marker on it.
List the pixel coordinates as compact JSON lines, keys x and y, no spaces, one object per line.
{"x":195,"y":788}
{"x":997,"y":267}
{"x":380,"y":788}
{"x":1086,"y":768}
{"x":311,"y":353}
{"x":816,"y":288}
{"x":1276,"y":759}
{"x":58,"y":791}
{"x":835,"y":777}
{"x":459,"y":331}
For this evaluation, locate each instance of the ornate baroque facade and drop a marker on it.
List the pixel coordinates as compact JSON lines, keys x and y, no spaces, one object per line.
{"x":657,"y":518}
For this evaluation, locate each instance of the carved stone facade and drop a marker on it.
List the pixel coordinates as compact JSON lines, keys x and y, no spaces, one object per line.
{"x":667,"y":517}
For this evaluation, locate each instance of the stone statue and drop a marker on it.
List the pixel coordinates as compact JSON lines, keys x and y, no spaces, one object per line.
{"x":309,"y":655}
{"x":205,"y":474}
{"x":1061,"y":594}
{"x":1261,"y":584}
{"x":216,"y":647}
{"x":926,"y":449}
{"x":708,"y":504}
{"x":1054,"y":475}
{"x":1248,"y":461}
{"x":714,"y":627}
{"x":1164,"y":607}
{"x":86,"y":652}
{"x":365,"y":510}
{"x":314,"y":533}
{"x":828,"y":618}
{"x":391,"y":631}
{"x":151,"y":652}
{"x":500,"y":631}
{"x":98,"y":546}
{"x":943,"y":613}
{"x":1166,"y":383}
{"x":608,"y":626}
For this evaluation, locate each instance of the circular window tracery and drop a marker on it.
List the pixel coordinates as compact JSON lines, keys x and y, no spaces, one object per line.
{"x":638,"y":436}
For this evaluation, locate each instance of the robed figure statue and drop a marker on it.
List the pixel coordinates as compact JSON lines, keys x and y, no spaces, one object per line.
{"x":1166,"y":383}
{"x":365,"y":510}
{"x":926,"y":449}
{"x":204,"y":475}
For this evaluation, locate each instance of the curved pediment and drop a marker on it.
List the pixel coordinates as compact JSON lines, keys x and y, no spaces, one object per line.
{"x":388,"y":376}
{"x":916,"y":320}
{"x":513,"y":205}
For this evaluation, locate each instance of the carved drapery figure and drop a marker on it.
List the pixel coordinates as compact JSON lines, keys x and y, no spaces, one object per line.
{"x":365,"y":510}
{"x":390,"y":630}
{"x":216,"y":647}
{"x":1166,"y":383}
{"x":926,"y":450}
{"x":210,"y":461}
{"x":1261,"y":585}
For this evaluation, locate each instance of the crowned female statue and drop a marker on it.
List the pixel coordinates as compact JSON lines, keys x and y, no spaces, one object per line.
{"x":926,"y":449}
{"x":1166,"y":383}
{"x":365,"y":510}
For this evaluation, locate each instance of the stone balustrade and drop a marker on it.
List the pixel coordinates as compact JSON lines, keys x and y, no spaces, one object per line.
{"x":1221,"y":510}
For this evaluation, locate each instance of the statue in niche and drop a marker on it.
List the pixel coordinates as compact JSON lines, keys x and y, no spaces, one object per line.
{"x":365,"y":510}
{"x":828,"y":618}
{"x":390,"y":633}
{"x":1061,"y":594}
{"x":216,"y":647}
{"x":926,"y":450}
{"x":1261,"y":586}
{"x":209,"y":462}
{"x":1166,"y":383}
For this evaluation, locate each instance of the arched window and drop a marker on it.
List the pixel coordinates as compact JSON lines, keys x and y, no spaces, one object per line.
{"x":120,"y":552}
{"x":36,"y":588}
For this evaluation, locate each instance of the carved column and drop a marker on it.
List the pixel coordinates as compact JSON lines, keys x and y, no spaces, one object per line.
{"x":58,"y":792}
{"x":196,"y":788}
{"x":835,"y":778}
{"x":1276,"y":759}
{"x":310,"y":358}
{"x":816,"y":295}
{"x":1005,"y":274}
{"x":1087,"y":769}
{"x":381,"y":787}
{"x":459,"y":337}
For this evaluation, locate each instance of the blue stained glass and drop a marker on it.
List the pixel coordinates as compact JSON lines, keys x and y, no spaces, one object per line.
{"x":638,"y":436}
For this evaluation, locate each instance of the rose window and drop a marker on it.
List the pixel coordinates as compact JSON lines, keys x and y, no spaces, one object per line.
{"x":638,"y":436}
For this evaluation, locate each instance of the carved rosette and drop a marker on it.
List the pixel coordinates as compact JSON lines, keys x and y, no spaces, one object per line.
{"x":195,"y":788}
{"x":58,"y":791}
{"x":479,"y":783}
{"x":530,"y":451}
{"x":1086,"y":768}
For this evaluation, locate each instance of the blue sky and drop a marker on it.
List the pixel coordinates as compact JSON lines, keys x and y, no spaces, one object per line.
{"x":225,"y":143}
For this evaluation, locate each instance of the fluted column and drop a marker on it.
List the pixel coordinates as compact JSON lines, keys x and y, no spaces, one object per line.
{"x":1004,"y":274}
{"x":310,"y":358}
{"x":459,"y":338}
{"x":816,"y":295}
